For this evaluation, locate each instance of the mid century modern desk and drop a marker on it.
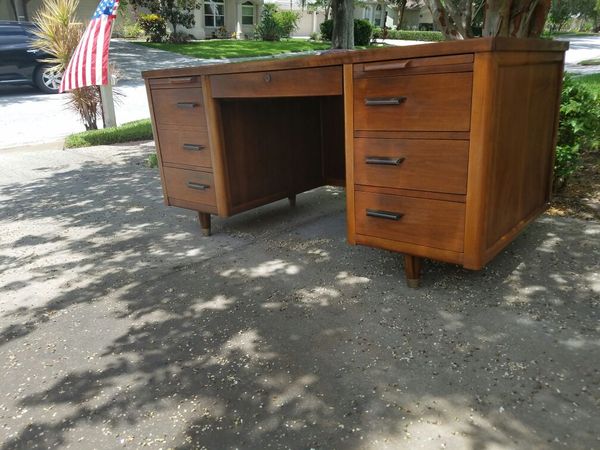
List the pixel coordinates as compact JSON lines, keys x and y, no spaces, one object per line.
{"x":446,"y":149}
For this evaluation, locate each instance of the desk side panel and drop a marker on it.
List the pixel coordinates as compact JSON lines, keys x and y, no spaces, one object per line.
{"x":156,"y":142}
{"x":215,"y":138}
{"x":512,"y":147}
{"x":349,"y":146}
{"x":526,"y":103}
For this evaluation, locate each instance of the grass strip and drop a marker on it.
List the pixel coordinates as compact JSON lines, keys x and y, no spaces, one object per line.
{"x":590,"y":62}
{"x":139,"y":130}
{"x":232,"y":48}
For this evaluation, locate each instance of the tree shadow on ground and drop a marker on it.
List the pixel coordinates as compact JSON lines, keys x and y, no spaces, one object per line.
{"x":276,"y":333}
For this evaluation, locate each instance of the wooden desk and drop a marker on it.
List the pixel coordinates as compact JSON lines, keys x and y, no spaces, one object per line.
{"x":446,"y":149}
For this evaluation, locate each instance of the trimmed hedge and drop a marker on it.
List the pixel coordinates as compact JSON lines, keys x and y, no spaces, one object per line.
{"x":408,"y":35}
{"x":139,"y":130}
{"x":363,"y":31}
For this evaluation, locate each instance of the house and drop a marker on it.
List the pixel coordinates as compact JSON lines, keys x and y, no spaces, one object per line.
{"x":223,"y":18}
{"x":226,"y":18}
{"x":237,"y":18}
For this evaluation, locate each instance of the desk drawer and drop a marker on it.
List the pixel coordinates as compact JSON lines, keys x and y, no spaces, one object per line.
{"x":185,"y":146}
{"x":190,"y":185}
{"x":435,"y":64}
{"x":421,"y":164}
{"x":427,"y":222}
{"x":430,"y":102}
{"x":175,"y":82}
{"x":279,"y":83}
{"x":180,"y":106}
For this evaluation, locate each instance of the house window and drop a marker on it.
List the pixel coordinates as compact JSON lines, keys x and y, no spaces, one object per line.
{"x":377,"y":19}
{"x":214,"y":13}
{"x":247,"y":13}
{"x":367,"y":13}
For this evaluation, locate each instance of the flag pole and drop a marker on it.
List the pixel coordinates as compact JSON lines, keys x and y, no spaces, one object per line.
{"x":108,"y":104}
{"x":106,"y":96}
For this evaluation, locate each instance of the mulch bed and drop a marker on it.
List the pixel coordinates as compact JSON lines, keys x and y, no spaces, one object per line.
{"x":580,"y":197}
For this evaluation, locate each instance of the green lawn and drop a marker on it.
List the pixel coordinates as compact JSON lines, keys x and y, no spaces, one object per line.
{"x":139,"y":130}
{"x":590,"y":62}
{"x":592,"y":82}
{"x":232,"y":48}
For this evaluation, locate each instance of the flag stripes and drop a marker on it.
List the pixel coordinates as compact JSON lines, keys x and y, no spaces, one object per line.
{"x":89,"y":63}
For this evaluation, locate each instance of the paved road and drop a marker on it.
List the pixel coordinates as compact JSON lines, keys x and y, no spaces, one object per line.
{"x":122,"y":327}
{"x":28,"y":117}
{"x":580,"y":49}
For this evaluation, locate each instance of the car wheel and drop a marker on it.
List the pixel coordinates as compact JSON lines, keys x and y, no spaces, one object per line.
{"x":47,"y":79}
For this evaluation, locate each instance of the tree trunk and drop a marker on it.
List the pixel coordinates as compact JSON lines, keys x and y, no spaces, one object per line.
{"x":401,"y":15}
{"x":343,"y":24}
{"x":509,"y":18}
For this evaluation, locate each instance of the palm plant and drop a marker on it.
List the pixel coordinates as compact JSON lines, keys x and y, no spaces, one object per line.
{"x":58,"y":34}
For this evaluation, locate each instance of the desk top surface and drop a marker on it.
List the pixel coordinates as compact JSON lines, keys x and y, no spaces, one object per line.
{"x":339,"y":57}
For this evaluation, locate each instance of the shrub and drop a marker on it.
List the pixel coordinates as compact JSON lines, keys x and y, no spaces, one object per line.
{"x":408,"y":35}
{"x":275,"y":24}
{"x":127,"y":26}
{"x":154,"y":26}
{"x":152,"y":161}
{"x":327,"y":29}
{"x":132,"y":31}
{"x":362,"y":31}
{"x":287,"y":22}
{"x":175,"y":12}
{"x":579,"y":128}
{"x":314,"y":36}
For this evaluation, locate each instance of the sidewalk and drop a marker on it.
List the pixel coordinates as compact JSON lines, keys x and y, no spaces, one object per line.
{"x":122,"y":327}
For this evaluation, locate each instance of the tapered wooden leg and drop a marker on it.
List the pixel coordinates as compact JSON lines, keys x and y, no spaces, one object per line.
{"x":204,"y":223}
{"x":412,"y":269}
{"x":292,"y":199}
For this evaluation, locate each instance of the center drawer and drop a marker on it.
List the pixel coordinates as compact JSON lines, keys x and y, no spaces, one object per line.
{"x":279,"y":83}
{"x":429,"y":102}
{"x":420,"y":164}
{"x":178,"y":106}
{"x":427,"y":222}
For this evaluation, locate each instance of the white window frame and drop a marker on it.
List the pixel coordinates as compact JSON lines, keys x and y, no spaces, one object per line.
{"x":378,"y":15}
{"x":219,"y":5}
{"x":247,"y":6}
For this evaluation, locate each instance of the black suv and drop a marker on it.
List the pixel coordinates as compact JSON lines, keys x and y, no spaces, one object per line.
{"x":20,"y":63}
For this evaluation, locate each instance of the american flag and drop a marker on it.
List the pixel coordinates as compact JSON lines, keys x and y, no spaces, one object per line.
{"x":89,"y":63}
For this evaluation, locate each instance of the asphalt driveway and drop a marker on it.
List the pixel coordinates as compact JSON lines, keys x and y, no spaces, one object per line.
{"x":122,"y":327}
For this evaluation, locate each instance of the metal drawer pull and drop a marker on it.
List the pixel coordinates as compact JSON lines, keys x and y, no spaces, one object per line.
{"x":193,"y":147}
{"x":384,"y":101}
{"x":186,"y":105}
{"x":198,"y":186}
{"x":180,"y":80}
{"x":387,"y":66}
{"x":384,"y":214}
{"x":381,"y":160}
